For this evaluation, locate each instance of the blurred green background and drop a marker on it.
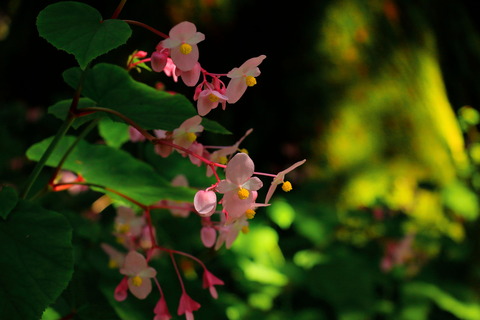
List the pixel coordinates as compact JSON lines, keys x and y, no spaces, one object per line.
{"x":379,"y":96}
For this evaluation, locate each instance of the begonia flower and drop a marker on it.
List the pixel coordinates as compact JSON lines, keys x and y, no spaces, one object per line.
{"x":116,"y":258}
{"x":182,"y":42}
{"x":210,"y":281}
{"x":185,"y":135}
{"x":161,"y":310}
{"x":163,"y":150}
{"x":159,"y":57}
{"x":190,"y":77}
{"x":239,"y":187}
{"x":209,"y":99}
{"x":139,"y":274}
{"x":229,"y":232}
{"x":279,"y":178}
{"x":121,"y":290}
{"x":127,"y":222}
{"x":170,"y":70}
{"x":179,"y":208}
{"x":135,"y":135}
{"x":187,"y":305}
{"x":243,"y":77}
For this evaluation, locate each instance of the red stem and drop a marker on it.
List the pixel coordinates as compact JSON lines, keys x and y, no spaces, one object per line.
{"x":143,"y":25}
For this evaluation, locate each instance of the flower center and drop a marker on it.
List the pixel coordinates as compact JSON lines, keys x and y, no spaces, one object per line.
{"x":123,"y":228}
{"x":250,"y":81}
{"x":243,"y":193}
{"x":287,"y":186}
{"x":191,"y":136}
{"x":250,"y":214}
{"x":223,"y":160}
{"x":213,"y":98}
{"x":137,"y":281}
{"x":112,"y":264}
{"x":185,"y":48}
{"x":245,"y":229}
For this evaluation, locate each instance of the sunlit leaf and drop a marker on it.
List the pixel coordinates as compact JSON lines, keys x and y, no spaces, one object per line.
{"x":37,"y":260}
{"x":281,"y":213}
{"x":461,"y":200}
{"x":115,"y":134}
{"x":79,"y":29}
{"x":60,"y":110}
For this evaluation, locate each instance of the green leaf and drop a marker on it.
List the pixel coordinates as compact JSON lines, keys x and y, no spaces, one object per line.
{"x":112,"y":168}
{"x":214,"y":126}
{"x":60,"y":110}
{"x":112,"y":87}
{"x":37,"y":260}
{"x":461,"y":200}
{"x":115,"y":134}
{"x":281,"y":213}
{"x":8,"y":201}
{"x":80,"y":30}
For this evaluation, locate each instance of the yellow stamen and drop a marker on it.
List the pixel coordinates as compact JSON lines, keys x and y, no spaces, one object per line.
{"x":250,"y":81}
{"x":191,"y":136}
{"x":243,"y":193}
{"x":123,"y":228}
{"x":223,"y":160}
{"x":250,"y":214}
{"x":185,"y":48}
{"x":137,"y":281}
{"x":213,"y":98}
{"x":120,"y":240}
{"x":245,"y":229}
{"x":243,"y":150}
{"x":112,"y":264}
{"x":287,"y":186}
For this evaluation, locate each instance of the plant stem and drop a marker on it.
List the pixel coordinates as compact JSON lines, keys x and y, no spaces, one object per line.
{"x":118,"y":9}
{"x":41,"y":163}
{"x":143,"y":25}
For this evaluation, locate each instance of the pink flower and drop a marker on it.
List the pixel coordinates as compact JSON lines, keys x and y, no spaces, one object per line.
{"x":279,"y":178}
{"x":205,"y":202}
{"x":239,"y":187}
{"x":116,"y":258}
{"x":210,"y":281}
{"x":161,"y":149}
{"x":135,"y":135}
{"x":139,"y":274}
{"x":190,"y":78}
{"x":243,"y":77}
{"x":170,"y":70}
{"x":208,"y":236}
{"x":183,"y":45}
{"x":128,"y":223}
{"x":229,"y":232}
{"x":159,"y":58}
{"x":120,"y":292}
{"x":187,"y":305}
{"x":185,"y":135}
{"x":209,"y":99}
{"x":161,"y":310}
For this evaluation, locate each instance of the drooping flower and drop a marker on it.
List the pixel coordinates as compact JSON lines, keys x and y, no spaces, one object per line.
{"x":210,"y":281}
{"x":182,"y":42}
{"x":159,"y":58}
{"x":120,"y":292}
{"x":187,"y":305}
{"x":161,"y":310}
{"x":243,"y":77}
{"x":127,"y":222}
{"x":279,"y":178}
{"x":179,"y":208}
{"x":239,"y":187}
{"x":229,"y":232}
{"x":190,"y":77}
{"x":139,"y":274}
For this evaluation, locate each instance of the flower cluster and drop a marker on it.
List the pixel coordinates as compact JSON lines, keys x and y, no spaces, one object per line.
{"x":177,"y":56}
{"x":221,"y":219}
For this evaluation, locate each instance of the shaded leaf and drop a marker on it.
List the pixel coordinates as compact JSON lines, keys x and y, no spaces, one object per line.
{"x":60,"y":110}
{"x":8,"y":200}
{"x":37,"y":260}
{"x":80,"y":30}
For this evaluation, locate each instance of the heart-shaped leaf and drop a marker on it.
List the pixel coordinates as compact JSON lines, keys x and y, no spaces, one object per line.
{"x":37,"y":260}
{"x":80,"y":30}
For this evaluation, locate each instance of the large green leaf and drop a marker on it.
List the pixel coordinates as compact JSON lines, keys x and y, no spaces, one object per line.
{"x":112,"y":87}
{"x":8,"y":200}
{"x":60,"y":110}
{"x":112,"y":168}
{"x":37,"y":260}
{"x":80,"y":30}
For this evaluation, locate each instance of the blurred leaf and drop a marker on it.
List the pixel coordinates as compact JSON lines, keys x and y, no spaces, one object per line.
{"x":80,"y":30}
{"x":37,"y":260}
{"x":460,"y":309}
{"x":50,"y":314}
{"x":282,"y":213}
{"x":461,"y":200}
{"x":214,"y":126}
{"x":112,"y":168}
{"x":115,"y":134}
{"x":8,"y":201}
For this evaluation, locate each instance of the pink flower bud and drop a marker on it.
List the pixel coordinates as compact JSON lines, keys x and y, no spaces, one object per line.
{"x":205,"y":202}
{"x":208,"y":236}
{"x":158,"y":61}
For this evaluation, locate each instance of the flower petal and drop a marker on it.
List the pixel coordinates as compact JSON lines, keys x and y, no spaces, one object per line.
{"x":235,"y":89}
{"x":141,"y":291}
{"x":135,"y":262}
{"x":253,"y":184}
{"x":239,"y":169}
